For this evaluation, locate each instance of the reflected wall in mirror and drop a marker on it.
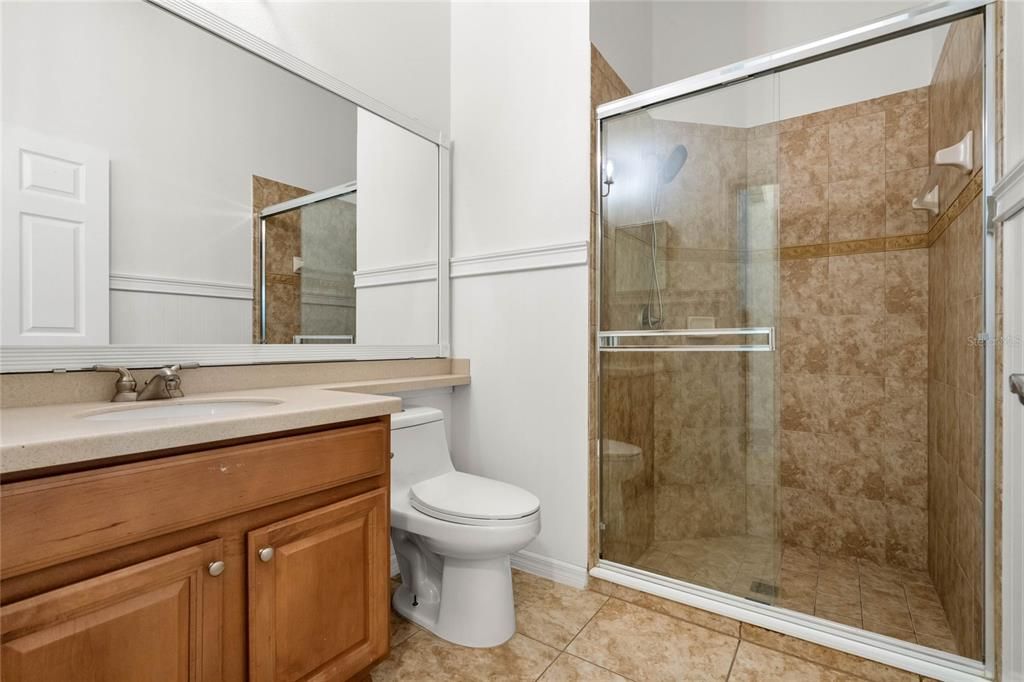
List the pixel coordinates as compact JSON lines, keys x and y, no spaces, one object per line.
{"x":144,"y":161}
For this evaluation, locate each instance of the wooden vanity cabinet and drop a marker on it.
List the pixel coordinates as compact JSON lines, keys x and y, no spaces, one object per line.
{"x":264,"y":561}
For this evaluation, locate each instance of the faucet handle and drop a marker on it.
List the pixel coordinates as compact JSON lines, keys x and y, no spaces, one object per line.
{"x":182,"y":365}
{"x":125,"y":385}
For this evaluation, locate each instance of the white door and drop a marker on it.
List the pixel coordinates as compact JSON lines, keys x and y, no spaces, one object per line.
{"x":55,"y":241}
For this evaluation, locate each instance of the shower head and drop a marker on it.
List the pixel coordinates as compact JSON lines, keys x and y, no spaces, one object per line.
{"x":672,"y":164}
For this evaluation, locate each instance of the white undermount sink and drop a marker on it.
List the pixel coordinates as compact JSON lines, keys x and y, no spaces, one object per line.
{"x":190,"y":409}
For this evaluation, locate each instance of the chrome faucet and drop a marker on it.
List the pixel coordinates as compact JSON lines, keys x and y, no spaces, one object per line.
{"x":165,"y":384}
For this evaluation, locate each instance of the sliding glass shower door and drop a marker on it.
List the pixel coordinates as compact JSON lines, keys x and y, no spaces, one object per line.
{"x":688,"y":314}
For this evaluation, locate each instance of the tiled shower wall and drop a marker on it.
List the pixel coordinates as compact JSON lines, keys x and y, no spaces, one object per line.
{"x":853,"y":330}
{"x":955,"y":395}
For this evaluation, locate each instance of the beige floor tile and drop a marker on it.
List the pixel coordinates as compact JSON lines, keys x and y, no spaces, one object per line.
{"x":567,"y":668}
{"x":829,"y":657}
{"x":940,"y":642}
{"x":550,"y":612}
{"x":712,"y":621}
{"x":426,"y":658}
{"x":401,"y":629}
{"x":756,"y":664}
{"x":644,"y":645}
{"x":844,"y":617}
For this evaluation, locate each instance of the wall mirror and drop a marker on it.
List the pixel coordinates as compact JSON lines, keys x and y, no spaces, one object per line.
{"x":177,"y":189}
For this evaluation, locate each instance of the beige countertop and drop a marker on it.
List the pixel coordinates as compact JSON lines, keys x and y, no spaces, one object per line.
{"x":57,"y":435}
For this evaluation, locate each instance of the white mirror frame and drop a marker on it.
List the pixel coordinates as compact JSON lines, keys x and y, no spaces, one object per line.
{"x":64,"y":358}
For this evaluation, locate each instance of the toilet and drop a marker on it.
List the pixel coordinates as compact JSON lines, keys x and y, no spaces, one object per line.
{"x":453,"y":534}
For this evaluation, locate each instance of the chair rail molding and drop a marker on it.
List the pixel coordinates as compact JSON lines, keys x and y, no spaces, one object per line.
{"x":1008,"y":194}
{"x":153,"y":284}
{"x":395,"y":274}
{"x":567,"y":254}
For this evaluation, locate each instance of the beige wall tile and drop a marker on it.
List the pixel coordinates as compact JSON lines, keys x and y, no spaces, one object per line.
{"x":857,"y":208}
{"x":804,"y":344}
{"x":856,"y":284}
{"x":856,"y":147}
{"x":857,"y":345}
{"x":906,"y":136}
{"x":906,"y":345}
{"x":901,"y":187}
{"x":856,"y":405}
{"x":804,"y":215}
{"x":906,"y":281}
{"x":803,"y":157}
{"x":804,"y":403}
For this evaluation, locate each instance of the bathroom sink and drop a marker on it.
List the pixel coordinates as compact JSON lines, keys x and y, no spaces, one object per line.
{"x":191,"y":409}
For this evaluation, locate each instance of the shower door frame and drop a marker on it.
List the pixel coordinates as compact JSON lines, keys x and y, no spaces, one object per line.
{"x":856,"y":641}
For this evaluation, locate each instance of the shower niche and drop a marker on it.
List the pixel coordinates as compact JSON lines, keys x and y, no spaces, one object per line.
{"x":791,"y":406}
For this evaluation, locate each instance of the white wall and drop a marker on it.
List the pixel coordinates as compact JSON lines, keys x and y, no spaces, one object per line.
{"x":395,"y":52}
{"x":397,"y":235}
{"x":1013,"y":80}
{"x":623,"y":32}
{"x":520,"y":106}
{"x":687,"y":38}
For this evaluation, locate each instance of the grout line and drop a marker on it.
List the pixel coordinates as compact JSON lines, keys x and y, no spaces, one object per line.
{"x":574,"y":637}
{"x":732,"y":663}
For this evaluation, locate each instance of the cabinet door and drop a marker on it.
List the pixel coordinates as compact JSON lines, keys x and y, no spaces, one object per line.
{"x":318,"y":592}
{"x":159,"y":621}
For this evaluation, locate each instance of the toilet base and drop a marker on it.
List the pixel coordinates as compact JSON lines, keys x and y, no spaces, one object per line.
{"x":476,"y":607}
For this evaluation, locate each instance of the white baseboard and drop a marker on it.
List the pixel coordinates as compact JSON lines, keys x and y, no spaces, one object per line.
{"x":535,"y":564}
{"x":552,"y":569}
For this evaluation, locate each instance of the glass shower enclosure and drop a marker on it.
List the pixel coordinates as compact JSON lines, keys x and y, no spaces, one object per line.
{"x":793,"y":276}
{"x":689,"y":275}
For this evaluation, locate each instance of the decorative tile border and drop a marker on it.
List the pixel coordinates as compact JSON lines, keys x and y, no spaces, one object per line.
{"x":921,"y":240}
{"x":962,"y":201}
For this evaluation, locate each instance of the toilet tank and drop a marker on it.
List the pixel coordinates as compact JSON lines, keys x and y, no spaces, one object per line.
{"x":419,"y":445}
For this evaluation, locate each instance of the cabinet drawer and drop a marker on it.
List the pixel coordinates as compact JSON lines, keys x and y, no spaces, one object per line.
{"x":52,"y":520}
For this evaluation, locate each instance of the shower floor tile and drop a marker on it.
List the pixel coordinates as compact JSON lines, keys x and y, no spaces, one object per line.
{"x":883,"y":599}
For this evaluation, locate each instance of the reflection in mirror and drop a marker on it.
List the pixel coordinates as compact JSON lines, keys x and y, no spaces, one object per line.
{"x":144,"y":157}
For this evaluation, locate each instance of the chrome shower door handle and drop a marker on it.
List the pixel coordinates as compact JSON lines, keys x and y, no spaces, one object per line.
{"x":1017,"y":386}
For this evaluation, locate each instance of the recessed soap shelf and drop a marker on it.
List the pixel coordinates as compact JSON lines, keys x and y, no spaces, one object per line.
{"x":960,"y":155}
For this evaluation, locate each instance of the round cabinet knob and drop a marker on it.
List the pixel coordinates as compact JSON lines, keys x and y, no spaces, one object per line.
{"x":216,"y":568}
{"x":266,"y":554}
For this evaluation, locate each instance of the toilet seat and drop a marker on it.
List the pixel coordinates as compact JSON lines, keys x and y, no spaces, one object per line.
{"x":472,"y":500}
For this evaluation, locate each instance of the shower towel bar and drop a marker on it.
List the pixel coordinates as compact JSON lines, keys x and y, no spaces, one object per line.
{"x":612,"y":341}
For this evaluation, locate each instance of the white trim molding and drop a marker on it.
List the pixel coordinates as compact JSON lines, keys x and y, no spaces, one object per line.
{"x":1009,"y":194}
{"x":68,"y":358}
{"x":552,"y":569}
{"x":519,"y":260}
{"x":151,"y":284}
{"x":395,"y":274}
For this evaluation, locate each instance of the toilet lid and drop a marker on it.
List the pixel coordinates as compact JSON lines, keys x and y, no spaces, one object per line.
{"x":465,"y":498}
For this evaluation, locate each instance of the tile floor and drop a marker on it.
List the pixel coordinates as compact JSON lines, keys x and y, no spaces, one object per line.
{"x":567,"y":634}
{"x":894,"y":602}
